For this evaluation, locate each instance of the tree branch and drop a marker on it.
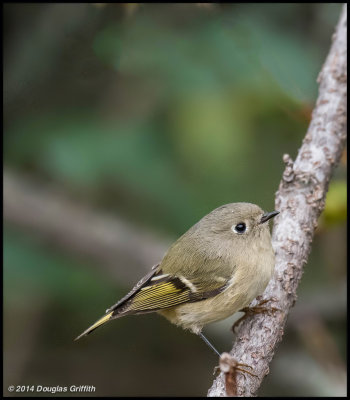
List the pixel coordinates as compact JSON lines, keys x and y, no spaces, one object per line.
{"x":300,"y":200}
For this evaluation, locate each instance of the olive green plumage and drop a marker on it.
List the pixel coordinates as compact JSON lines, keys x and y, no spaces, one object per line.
{"x":212,"y":271}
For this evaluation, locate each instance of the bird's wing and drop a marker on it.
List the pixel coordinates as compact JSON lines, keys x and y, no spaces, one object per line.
{"x":161,"y":291}
{"x":138,"y":285}
{"x":115,"y":310}
{"x":158,"y":290}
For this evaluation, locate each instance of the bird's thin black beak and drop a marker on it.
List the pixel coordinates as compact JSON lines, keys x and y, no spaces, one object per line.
{"x":268,"y":215}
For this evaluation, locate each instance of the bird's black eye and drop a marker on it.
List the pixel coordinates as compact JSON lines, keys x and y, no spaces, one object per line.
{"x":240,"y":228}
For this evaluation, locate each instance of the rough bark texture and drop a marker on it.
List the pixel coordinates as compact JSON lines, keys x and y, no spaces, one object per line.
{"x":300,"y":200}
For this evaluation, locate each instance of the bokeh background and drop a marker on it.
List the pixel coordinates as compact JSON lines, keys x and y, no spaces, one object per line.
{"x":123,"y":125}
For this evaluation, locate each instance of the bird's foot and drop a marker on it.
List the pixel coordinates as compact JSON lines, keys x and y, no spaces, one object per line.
{"x":248,"y":311}
{"x":237,"y":367}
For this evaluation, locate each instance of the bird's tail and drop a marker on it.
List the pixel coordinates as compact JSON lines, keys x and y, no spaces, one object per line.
{"x":98,"y":323}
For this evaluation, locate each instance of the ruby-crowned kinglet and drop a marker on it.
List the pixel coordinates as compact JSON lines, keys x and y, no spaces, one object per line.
{"x":212,"y":271}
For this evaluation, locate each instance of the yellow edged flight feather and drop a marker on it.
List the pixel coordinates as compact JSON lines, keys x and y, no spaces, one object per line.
{"x":157,"y":291}
{"x":98,"y":323}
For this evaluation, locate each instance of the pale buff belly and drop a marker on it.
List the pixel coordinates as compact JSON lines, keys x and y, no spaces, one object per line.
{"x":195,"y":315}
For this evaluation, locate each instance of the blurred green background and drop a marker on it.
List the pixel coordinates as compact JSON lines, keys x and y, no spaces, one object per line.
{"x":124,"y":124}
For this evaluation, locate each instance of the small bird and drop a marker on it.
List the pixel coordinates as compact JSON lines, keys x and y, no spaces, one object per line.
{"x":212,"y":271}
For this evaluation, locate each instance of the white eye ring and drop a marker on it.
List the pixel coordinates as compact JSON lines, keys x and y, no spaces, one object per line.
{"x":239,"y":228}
